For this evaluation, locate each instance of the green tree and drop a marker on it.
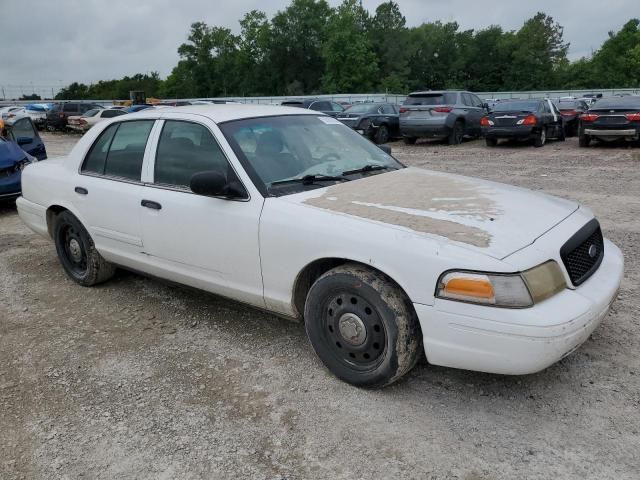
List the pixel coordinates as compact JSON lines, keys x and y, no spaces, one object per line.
{"x":350,"y":61}
{"x":540,"y":51}
{"x":389,"y":38}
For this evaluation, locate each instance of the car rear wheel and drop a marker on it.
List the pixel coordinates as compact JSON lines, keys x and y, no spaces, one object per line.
{"x":584,"y":140}
{"x":362,"y":326}
{"x":382,"y":135}
{"x":410,"y":140}
{"x":457,"y":133}
{"x":491,"y":142}
{"x":541,"y":138}
{"x":77,"y":253}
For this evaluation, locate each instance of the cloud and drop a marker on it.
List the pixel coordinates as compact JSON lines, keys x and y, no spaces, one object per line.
{"x":49,"y":44}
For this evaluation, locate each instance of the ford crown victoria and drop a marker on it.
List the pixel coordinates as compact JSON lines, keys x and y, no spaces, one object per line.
{"x":293,"y":212}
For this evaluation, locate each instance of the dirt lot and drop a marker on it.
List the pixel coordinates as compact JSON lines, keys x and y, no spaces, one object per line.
{"x":137,"y":379}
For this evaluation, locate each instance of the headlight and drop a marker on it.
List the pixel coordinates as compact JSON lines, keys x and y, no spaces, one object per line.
{"x":517,"y":290}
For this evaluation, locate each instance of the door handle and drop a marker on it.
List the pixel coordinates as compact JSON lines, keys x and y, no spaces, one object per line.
{"x":151,"y":204}
{"x":81,"y":190}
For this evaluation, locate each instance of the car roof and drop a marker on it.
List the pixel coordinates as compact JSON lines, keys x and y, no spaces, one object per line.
{"x":437,"y":92}
{"x":223,"y":113}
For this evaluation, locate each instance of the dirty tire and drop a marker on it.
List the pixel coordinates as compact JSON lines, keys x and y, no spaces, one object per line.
{"x":491,"y":142}
{"x":77,"y":253}
{"x":457,"y":133}
{"x":410,"y":140}
{"x":382,"y":135}
{"x":392,"y":341}
{"x":584,"y":140}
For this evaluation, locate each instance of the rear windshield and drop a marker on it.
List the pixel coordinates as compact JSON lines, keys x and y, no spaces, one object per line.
{"x":568,"y":104}
{"x":292,"y":104}
{"x":516,"y":107}
{"x":431,"y":99}
{"x":362,"y":108}
{"x":619,"y":103}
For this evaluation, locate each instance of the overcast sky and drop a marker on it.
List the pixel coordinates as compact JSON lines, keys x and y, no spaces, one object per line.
{"x":52,"y":43}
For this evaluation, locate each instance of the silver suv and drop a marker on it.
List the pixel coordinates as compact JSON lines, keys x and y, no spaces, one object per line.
{"x":445,"y":114}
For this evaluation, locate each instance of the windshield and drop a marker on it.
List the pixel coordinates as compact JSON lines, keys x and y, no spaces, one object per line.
{"x":568,"y":104}
{"x":516,"y":107}
{"x":285,"y":147}
{"x":363,"y":108}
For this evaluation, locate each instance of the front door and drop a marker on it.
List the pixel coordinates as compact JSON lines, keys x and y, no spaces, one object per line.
{"x":209,"y":243}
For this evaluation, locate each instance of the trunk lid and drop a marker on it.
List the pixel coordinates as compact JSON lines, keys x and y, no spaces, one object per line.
{"x":488,"y":217}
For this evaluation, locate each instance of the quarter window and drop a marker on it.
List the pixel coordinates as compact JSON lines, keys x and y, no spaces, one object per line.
{"x":184,"y":149}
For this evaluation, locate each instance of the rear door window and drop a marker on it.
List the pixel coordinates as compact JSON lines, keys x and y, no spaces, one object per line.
{"x":70,"y":107}
{"x":388,"y":109}
{"x":321,"y":106}
{"x":119,"y":150}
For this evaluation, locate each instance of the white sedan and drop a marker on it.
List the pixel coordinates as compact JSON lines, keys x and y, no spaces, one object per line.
{"x":291,"y":211}
{"x":87,"y":120}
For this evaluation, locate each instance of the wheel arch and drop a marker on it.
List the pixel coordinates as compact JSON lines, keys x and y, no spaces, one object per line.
{"x":54,"y":210}
{"x":314,"y":270}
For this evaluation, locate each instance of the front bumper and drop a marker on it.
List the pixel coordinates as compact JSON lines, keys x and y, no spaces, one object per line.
{"x":10,"y":186}
{"x":518,"y":131}
{"x":520,"y":341}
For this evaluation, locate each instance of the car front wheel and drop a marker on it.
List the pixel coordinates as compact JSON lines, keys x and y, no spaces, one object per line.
{"x":362,"y":326}
{"x":77,"y":253}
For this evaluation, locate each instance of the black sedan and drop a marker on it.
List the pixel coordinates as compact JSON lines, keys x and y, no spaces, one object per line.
{"x":332,"y":109}
{"x":571,"y":111}
{"x":610,"y":119}
{"x":535,"y":120}
{"x":377,"y":121}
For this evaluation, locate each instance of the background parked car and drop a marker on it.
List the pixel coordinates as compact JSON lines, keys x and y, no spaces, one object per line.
{"x":377,"y":121}
{"x":325,"y":106}
{"x":60,"y":112}
{"x":38,"y":113}
{"x":21,"y":146}
{"x":571,"y":111}
{"x":90,"y":118}
{"x":138,"y":108}
{"x":612,"y":118}
{"x":444,"y":114}
{"x":11,"y":110}
{"x":534,"y":120}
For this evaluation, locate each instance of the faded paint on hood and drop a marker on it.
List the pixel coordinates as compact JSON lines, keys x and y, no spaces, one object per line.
{"x":494,"y":218}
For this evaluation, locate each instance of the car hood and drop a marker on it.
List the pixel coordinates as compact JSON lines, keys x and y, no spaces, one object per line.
{"x":10,"y":154}
{"x":488,"y":217}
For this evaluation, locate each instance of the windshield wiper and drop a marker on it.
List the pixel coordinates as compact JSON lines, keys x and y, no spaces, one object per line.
{"x":368,"y":168}
{"x":311,"y":179}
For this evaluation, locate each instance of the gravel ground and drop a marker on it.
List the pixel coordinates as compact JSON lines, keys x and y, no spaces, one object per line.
{"x":137,"y":379}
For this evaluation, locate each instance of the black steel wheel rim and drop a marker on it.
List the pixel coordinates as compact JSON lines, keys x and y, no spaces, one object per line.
{"x":353,"y":332}
{"x":74,"y":254}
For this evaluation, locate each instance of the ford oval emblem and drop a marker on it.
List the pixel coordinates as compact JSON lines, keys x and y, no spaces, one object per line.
{"x":593,"y":251}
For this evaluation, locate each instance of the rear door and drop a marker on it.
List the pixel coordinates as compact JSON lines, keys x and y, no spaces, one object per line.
{"x":109,"y":189}
{"x":475,"y":112}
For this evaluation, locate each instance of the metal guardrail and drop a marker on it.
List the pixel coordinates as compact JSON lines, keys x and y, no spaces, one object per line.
{"x":376,"y":97}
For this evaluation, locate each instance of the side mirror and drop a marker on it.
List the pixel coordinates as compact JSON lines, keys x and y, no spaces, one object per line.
{"x":215,"y":184}
{"x":24,"y":140}
{"x":385,"y":148}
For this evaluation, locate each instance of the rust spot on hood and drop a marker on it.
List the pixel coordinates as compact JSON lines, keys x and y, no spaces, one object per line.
{"x":423,"y":201}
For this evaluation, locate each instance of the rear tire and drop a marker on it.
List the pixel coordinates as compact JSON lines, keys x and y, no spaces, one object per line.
{"x":382,"y":135}
{"x":491,"y":142}
{"x":77,"y":253}
{"x":362,"y":326}
{"x":410,"y":140}
{"x":584,"y":140}
{"x":541,"y":138}
{"x":457,"y":133}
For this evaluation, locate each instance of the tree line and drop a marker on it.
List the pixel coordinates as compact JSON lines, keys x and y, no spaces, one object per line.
{"x":312,"y":48}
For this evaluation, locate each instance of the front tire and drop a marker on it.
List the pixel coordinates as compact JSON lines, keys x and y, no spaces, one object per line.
{"x":362,"y":326}
{"x":77,"y":253}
